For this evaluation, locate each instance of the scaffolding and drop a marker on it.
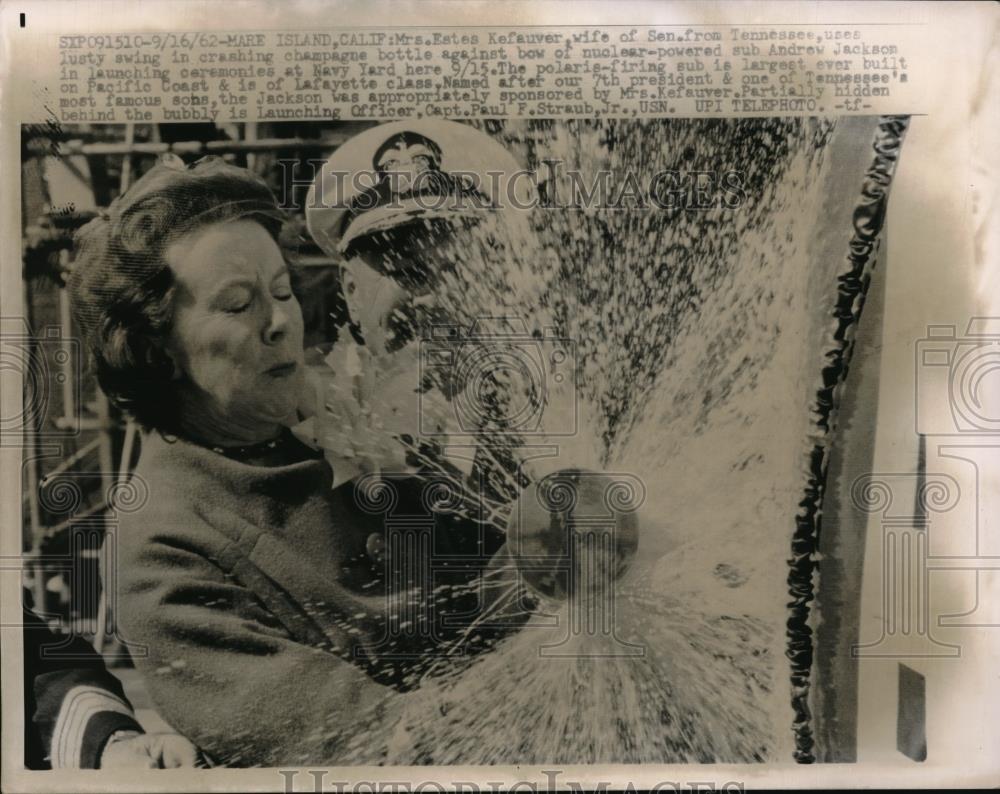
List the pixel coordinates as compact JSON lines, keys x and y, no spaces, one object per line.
{"x":88,"y":428}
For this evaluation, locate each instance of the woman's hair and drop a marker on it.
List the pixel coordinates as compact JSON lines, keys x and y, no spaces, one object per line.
{"x":121,"y":287}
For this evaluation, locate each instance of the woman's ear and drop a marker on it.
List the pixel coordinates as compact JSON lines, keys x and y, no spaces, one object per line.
{"x":349,"y":286}
{"x":177,"y":373}
{"x":168,"y":359}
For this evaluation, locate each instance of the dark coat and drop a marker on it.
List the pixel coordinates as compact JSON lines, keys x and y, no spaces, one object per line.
{"x":252,"y":605}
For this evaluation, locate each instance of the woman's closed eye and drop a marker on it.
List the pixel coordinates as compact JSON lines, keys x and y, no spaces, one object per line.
{"x":281,"y":288}
{"x":241,"y":297}
{"x":236,"y":301}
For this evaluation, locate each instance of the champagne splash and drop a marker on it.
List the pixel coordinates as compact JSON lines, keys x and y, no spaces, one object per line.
{"x":694,"y":339}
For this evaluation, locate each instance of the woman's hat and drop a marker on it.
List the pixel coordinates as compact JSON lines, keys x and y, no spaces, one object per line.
{"x":409,"y":171}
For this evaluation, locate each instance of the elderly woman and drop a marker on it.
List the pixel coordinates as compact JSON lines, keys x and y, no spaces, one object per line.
{"x":256,"y":614}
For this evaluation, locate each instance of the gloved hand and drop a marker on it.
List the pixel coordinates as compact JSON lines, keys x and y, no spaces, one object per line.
{"x":131,"y":750}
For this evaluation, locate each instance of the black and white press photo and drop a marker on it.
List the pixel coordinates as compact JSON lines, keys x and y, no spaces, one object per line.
{"x":402,"y":407}
{"x":473,"y":432}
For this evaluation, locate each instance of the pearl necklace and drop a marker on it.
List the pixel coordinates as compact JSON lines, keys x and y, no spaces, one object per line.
{"x":252,"y":450}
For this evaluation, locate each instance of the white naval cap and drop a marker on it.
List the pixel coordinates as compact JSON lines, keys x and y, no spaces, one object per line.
{"x":408,"y":171}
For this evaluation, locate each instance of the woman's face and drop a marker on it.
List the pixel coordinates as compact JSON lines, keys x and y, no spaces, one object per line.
{"x":236,"y":337}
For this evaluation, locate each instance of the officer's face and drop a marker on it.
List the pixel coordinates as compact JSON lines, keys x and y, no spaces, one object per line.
{"x":374,"y":301}
{"x":390,"y":295}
